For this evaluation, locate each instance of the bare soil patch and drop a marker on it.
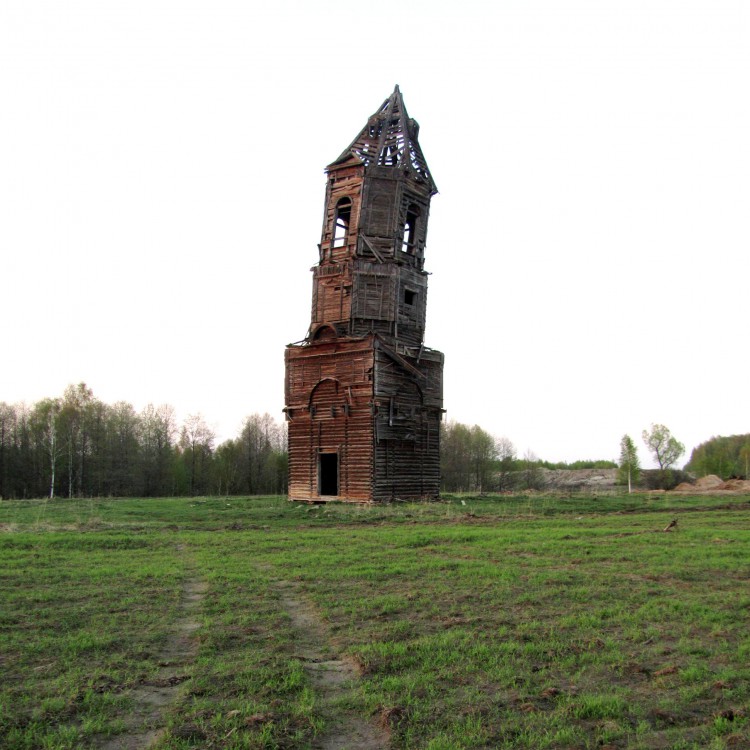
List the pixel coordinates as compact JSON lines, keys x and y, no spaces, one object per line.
{"x":145,"y":724}
{"x":333,"y":678}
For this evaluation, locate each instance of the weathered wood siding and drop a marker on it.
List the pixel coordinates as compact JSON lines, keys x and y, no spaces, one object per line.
{"x":363,"y":297}
{"x":386,"y":200}
{"x":377,"y":408}
{"x":329,"y":408}
{"x":332,"y":294}
{"x":407,"y":424}
{"x":345,"y":182}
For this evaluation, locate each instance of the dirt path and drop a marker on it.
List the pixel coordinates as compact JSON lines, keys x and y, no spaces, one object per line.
{"x":333,"y":678}
{"x":153,"y":697}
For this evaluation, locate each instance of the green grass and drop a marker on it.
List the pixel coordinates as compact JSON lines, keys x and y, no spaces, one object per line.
{"x":513,"y":622}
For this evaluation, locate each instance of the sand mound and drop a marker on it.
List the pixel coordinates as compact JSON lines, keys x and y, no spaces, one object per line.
{"x":710,"y":481}
{"x":737,"y":485}
{"x":684,"y":487}
{"x":712,"y":484}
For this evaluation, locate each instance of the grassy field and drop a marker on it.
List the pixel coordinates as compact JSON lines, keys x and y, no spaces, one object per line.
{"x":513,"y":622}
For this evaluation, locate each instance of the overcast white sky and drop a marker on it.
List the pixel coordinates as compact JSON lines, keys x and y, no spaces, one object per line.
{"x":161,"y":199}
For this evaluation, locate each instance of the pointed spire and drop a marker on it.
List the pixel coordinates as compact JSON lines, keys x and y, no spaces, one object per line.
{"x":389,"y":139}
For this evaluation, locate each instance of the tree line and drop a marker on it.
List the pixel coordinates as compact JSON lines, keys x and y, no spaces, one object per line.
{"x":473,"y":460}
{"x":78,"y":446}
{"x":724,"y":456}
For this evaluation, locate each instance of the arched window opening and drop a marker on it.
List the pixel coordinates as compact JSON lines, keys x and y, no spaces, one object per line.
{"x":341,"y":223}
{"x":324,"y":333}
{"x":410,"y":230}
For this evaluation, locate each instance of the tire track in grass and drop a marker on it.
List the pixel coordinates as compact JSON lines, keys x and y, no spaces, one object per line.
{"x":333,"y":678}
{"x":144,"y":726}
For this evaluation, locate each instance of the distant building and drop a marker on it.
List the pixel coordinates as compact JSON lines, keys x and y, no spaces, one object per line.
{"x":364,"y":396}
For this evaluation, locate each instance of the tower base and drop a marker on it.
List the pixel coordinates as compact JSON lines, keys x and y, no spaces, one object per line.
{"x":363,"y":420}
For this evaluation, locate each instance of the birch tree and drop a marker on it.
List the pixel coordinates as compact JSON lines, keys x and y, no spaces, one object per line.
{"x":74,"y":412}
{"x":45,"y":417}
{"x":156,"y":436}
{"x":197,"y":442}
{"x":506,"y":460}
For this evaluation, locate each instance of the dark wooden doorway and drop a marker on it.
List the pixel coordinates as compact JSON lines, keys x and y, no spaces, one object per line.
{"x":328,"y":473}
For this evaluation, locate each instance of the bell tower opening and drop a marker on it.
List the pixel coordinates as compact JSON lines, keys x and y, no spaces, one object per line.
{"x":410,"y":230}
{"x":342,"y":221}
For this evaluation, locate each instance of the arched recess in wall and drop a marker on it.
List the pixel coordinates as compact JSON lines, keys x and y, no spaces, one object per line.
{"x":326,"y":404}
{"x":324,"y":332}
{"x":327,"y":399}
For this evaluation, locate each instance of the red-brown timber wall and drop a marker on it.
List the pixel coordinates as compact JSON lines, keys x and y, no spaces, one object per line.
{"x":329,"y":406}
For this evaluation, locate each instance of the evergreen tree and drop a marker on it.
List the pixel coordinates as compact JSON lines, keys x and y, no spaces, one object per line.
{"x":629,"y":469}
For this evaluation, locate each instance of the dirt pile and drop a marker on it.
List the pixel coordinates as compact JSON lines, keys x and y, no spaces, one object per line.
{"x":605,"y":480}
{"x":711,"y":483}
{"x":735,"y":485}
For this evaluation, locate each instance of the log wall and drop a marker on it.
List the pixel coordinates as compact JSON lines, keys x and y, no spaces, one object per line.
{"x":377,"y":407}
{"x":408,"y":399}
{"x":329,"y":409}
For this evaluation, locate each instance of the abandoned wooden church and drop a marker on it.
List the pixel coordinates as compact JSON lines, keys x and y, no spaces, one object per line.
{"x":364,"y":396}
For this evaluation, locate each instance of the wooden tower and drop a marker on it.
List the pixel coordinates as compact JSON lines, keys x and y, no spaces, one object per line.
{"x":364,"y":396}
